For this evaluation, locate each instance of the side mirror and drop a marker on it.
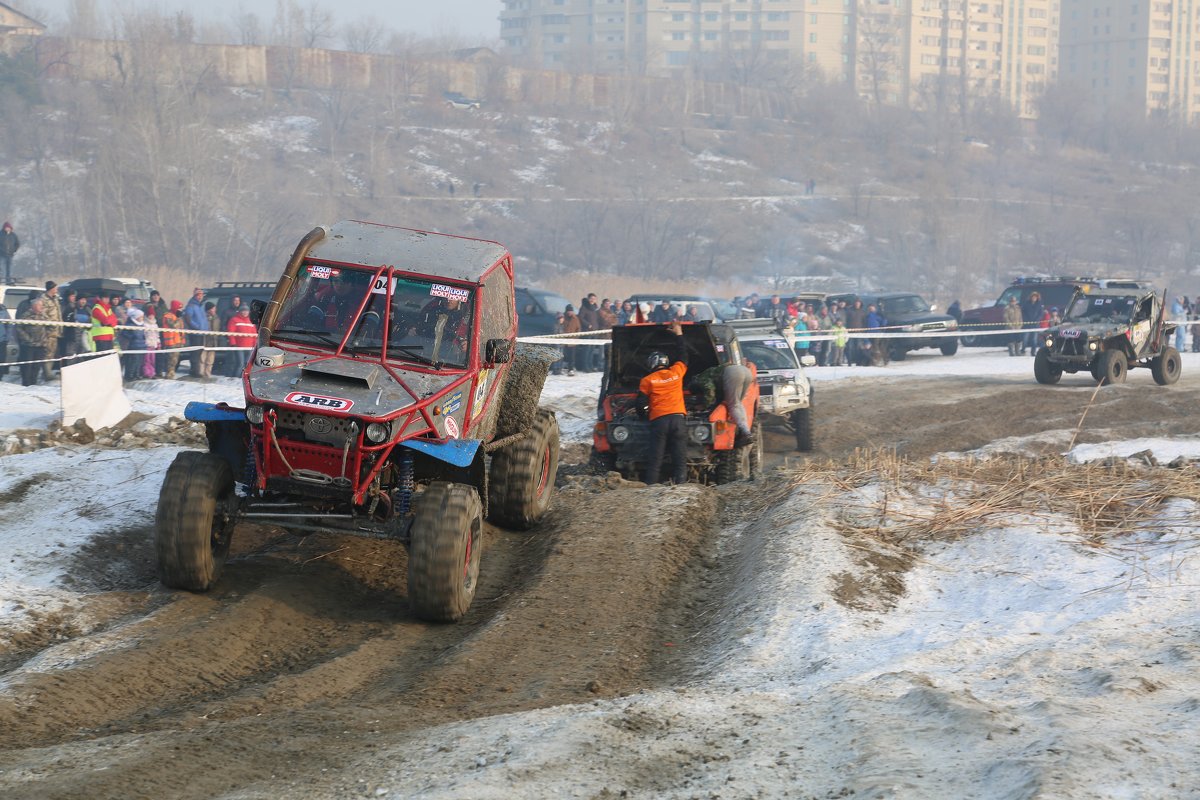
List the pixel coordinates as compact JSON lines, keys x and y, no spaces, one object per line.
{"x":257,"y":307}
{"x":933,"y":307}
{"x":498,"y":351}
{"x":808,"y":361}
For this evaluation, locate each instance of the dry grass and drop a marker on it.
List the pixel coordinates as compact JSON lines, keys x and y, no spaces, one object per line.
{"x":948,"y":499}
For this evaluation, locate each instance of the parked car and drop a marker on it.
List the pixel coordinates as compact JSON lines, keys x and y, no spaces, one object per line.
{"x":538,"y":310}
{"x":461,"y":101}
{"x":704,"y":308}
{"x":136,"y":289}
{"x":909,"y":312}
{"x":785,"y":392}
{"x":223,"y":293}
{"x":1055,"y":292}
{"x":12,"y":297}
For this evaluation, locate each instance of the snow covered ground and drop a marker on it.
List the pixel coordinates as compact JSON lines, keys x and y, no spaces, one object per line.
{"x":1019,"y":661}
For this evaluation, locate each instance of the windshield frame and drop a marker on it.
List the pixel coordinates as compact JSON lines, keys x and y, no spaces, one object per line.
{"x":788,"y":353}
{"x":366,"y":323}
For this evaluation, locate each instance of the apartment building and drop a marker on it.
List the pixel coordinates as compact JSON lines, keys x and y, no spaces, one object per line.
{"x":935,"y":52}
{"x":1135,"y":53}
{"x":893,"y":51}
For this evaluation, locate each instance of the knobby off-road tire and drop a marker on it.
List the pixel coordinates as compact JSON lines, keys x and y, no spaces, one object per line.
{"x":1112,"y":367}
{"x":950,"y":347}
{"x":756,"y":452}
{"x":194,"y":525}
{"x":732,"y":465}
{"x":802,"y":421}
{"x":1166,"y":368}
{"x":443,"y":555}
{"x":521,"y":482}
{"x":1044,"y":370}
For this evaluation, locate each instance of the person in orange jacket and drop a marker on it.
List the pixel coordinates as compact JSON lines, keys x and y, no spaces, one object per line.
{"x":660,"y":393}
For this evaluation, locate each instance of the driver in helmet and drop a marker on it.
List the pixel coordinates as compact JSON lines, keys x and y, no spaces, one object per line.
{"x":661,"y":394}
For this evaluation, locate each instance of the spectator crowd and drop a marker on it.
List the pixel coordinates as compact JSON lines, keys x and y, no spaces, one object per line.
{"x":151,"y":337}
{"x":821,"y":329}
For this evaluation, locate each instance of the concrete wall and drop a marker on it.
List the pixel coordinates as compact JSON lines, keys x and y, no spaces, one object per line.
{"x":283,"y":68}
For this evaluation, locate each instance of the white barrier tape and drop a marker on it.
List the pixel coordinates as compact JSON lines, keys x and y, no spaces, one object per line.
{"x":88,"y":325}
{"x":101,"y":353}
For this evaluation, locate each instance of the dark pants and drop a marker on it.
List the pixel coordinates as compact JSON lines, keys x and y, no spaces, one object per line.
{"x":29,"y":372}
{"x":195,"y":340}
{"x":7,"y":261}
{"x":668,"y":431}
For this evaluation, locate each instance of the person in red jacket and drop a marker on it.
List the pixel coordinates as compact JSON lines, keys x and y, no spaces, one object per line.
{"x":246,"y":334}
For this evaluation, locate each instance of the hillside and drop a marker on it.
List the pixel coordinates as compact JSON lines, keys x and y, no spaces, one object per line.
{"x":174,"y":178}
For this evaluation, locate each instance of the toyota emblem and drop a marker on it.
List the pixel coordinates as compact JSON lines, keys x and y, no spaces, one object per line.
{"x":319,"y":425}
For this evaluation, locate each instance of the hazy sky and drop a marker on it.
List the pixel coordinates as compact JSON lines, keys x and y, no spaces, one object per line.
{"x":473,"y":19}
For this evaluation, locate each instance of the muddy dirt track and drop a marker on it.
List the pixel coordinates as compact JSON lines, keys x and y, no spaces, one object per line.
{"x":304,"y":658}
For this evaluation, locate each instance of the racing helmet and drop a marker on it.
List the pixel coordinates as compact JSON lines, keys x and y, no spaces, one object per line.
{"x":657,"y":360}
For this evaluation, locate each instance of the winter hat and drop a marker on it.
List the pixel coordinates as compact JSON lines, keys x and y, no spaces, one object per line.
{"x":176,"y":305}
{"x":50,"y":285}
{"x":135,"y":315}
{"x":569,"y":307}
{"x":8,"y":226}
{"x":150,"y":312}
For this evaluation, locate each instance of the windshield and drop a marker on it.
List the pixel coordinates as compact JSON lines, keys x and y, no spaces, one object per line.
{"x":1097,"y":309}
{"x":905,"y":304}
{"x":428,"y":323}
{"x":770,"y":354}
{"x":724,"y":309}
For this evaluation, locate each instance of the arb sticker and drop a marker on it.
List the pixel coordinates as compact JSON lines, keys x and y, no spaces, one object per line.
{"x":319,"y":401}
{"x":449,"y":292}
{"x":451,"y":428}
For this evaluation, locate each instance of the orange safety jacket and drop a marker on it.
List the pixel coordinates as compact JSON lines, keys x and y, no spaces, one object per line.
{"x":171,"y":337}
{"x":664,"y":388}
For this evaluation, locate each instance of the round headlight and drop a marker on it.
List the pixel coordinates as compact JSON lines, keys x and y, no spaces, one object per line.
{"x":620,"y":434}
{"x":1049,"y":341}
{"x":701,"y":433}
{"x":378,"y":432}
{"x":1093,"y":346}
{"x":254,"y":415}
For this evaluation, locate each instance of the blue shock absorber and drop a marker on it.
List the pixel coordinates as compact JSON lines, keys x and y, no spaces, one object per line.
{"x":405,"y":482}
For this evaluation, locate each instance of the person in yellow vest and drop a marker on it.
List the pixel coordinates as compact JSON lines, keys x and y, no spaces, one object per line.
{"x":103,"y":322}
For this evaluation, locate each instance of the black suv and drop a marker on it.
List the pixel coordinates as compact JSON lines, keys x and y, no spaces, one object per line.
{"x":908,"y":312}
{"x":537,"y":311}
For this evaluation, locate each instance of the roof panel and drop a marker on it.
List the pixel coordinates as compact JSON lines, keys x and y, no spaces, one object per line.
{"x":372,"y":244}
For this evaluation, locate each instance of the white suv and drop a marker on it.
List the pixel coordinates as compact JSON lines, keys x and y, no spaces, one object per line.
{"x":784,"y":390}
{"x":10,"y":298}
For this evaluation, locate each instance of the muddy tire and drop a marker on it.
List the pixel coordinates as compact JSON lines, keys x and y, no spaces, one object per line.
{"x":1045,"y":371}
{"x":443,"y":556}
{"x":1112,"y":367}
{"x":802,"y":421}
{"x":521,"y":481}
{"x":732,"y":465}
{"x":949,"y":348}
{"x":194,"y":522}
{"x":756,"y":459}
{"x":1166,"y":368}
{"x":602,"y":463}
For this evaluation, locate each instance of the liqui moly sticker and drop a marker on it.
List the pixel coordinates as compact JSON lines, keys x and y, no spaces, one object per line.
{"x":324,"y":273}
{"x":319,"y":401}
{"x":449,"y":292}
{"x":451,"y":428}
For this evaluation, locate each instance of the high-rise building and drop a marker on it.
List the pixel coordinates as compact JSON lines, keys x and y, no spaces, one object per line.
{"x":893,"y":51}
{"x":1136,"y":53}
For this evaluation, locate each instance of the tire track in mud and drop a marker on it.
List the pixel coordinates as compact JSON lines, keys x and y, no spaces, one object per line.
{"x":304,"y":656}
{"x":312,"y":643}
